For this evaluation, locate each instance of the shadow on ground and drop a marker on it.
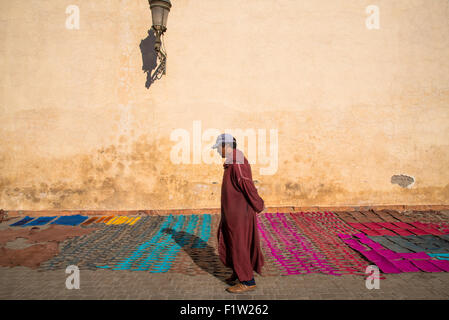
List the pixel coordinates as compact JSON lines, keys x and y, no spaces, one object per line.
{"x":202,"y":254}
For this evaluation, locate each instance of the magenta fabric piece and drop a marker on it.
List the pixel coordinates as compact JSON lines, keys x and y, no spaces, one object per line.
{"x":417,"y":231}
{"x":376,"y":246}
{"x":387,"y":225}
{"x":371,"y":255}
{"x":394,"y":262}
{"x":276,"y":253}
{"x":370,"y":232}
{"x":402,"y":225}
{"x":442,"y":264}
{"x":427,"y":229}
{"x":344,"y":236}
{"x":319,"y":258}
{"x":426,"y":266}
{"x":385,"y":232}
{"x":402,"y":232}
{"x":368,"y":241}
{"x":414,"y":256}
{"x":373,"y":226}
{"x":357,"y":226}
{"x":395,"y":229}
{"x":355,"y":244}
{"x":405,"y":266}
{"x":389,"y":254}
{"x":365,"y":240}
{"x":297,"y":262}
{"x":383,"y":264}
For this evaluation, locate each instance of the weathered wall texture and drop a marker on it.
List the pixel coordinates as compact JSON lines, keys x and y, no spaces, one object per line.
{"x":355,"y":109}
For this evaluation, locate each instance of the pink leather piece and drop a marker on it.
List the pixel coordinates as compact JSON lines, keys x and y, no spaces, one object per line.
{"x":402,"y":232}
{"x":355,"y":244}
{"x":360,"y":236}
{"x":426,"y":265}
{"x":376,"y":246}
{"x":415,"y":256}
{"x":373,"y":226}
{"x":402,"y":225}
{"x":387,"y":225}
{"x":389,"y":254}
{"x":371,"y":232}
{"x":427,"y":229}
{"x":417,"y":231}
{"x":385,"y":232}
{"x":442,"y":264}
{"x":405,"y":266}
{"x":358,"y":226}
{"x":369,"y":242}
{"x":383,"y":264}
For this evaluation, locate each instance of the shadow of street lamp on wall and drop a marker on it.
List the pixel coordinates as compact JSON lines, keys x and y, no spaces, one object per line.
{"x":150,"y":53}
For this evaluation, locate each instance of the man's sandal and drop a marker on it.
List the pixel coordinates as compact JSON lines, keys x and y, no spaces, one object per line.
{"x":240,"y":288}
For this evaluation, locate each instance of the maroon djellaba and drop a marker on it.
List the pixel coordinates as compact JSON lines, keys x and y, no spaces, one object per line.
{"x":238,"y":236}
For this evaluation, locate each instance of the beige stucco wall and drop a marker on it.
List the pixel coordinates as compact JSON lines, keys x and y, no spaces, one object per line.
{"x":352,"y":106}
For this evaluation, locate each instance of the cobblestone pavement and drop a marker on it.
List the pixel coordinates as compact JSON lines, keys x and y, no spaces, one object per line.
{"x":25,"y":283}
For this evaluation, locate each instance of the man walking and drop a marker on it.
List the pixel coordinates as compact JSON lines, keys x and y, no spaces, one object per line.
{"x":238,"y":237}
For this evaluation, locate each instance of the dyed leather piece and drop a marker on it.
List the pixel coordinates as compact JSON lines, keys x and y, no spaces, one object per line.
{"x":389,"y":254}
{"x":389,"y":261}
{"x":439,"y":256}
{"x":383,"y":264}
{"x":442,"y":264}
{"x":427,"y":228}
{"x":415,"y":256}
{"x":426,"y":265}
{"x":90,"y":221}
{"x":405,"y":266}
{"x":70,"y":220}
{"x":404,"y":243}
{"x":389,"y":244}
{"x":39,"y":221}
{"x":22,"y":222}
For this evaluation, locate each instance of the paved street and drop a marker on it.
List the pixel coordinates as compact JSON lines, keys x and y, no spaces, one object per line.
{"x":189,"y":278}
{"x":24,"y":283}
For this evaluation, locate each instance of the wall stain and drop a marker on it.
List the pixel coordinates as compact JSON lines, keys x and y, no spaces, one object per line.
{"x":113,"y":178}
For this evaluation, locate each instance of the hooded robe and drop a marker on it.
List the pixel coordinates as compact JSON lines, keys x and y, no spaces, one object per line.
{"x":238,"y":236}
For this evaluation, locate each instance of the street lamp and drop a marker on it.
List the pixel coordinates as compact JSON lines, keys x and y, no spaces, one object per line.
{"x":159,"y":13}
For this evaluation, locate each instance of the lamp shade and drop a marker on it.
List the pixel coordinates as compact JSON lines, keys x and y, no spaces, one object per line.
{"x":159,"y":12}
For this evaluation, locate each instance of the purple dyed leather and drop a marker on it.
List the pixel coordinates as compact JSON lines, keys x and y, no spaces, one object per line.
{"x":357,"y":226}
{"x":376,"y":246}
{"x":354,"y":244}
{"x":389,"y":254}
{"x":418,"y":232}
{"x":415,"y":256}
{"x":402,"y":232}
{"x":385,"y":232}
{"x":368,"y":241}
{"x":372,"y":226}
{"x":442,"y":264}
{"x":371,"y":232}
{"x":383,"y":264}
{"x":387,"y":225}
{"x":402,"y":225}
{"x":425,"y":265}
{"x":405,"y":265}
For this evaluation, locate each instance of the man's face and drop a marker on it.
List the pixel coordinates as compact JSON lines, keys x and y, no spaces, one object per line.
{"x":222,"y":151}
